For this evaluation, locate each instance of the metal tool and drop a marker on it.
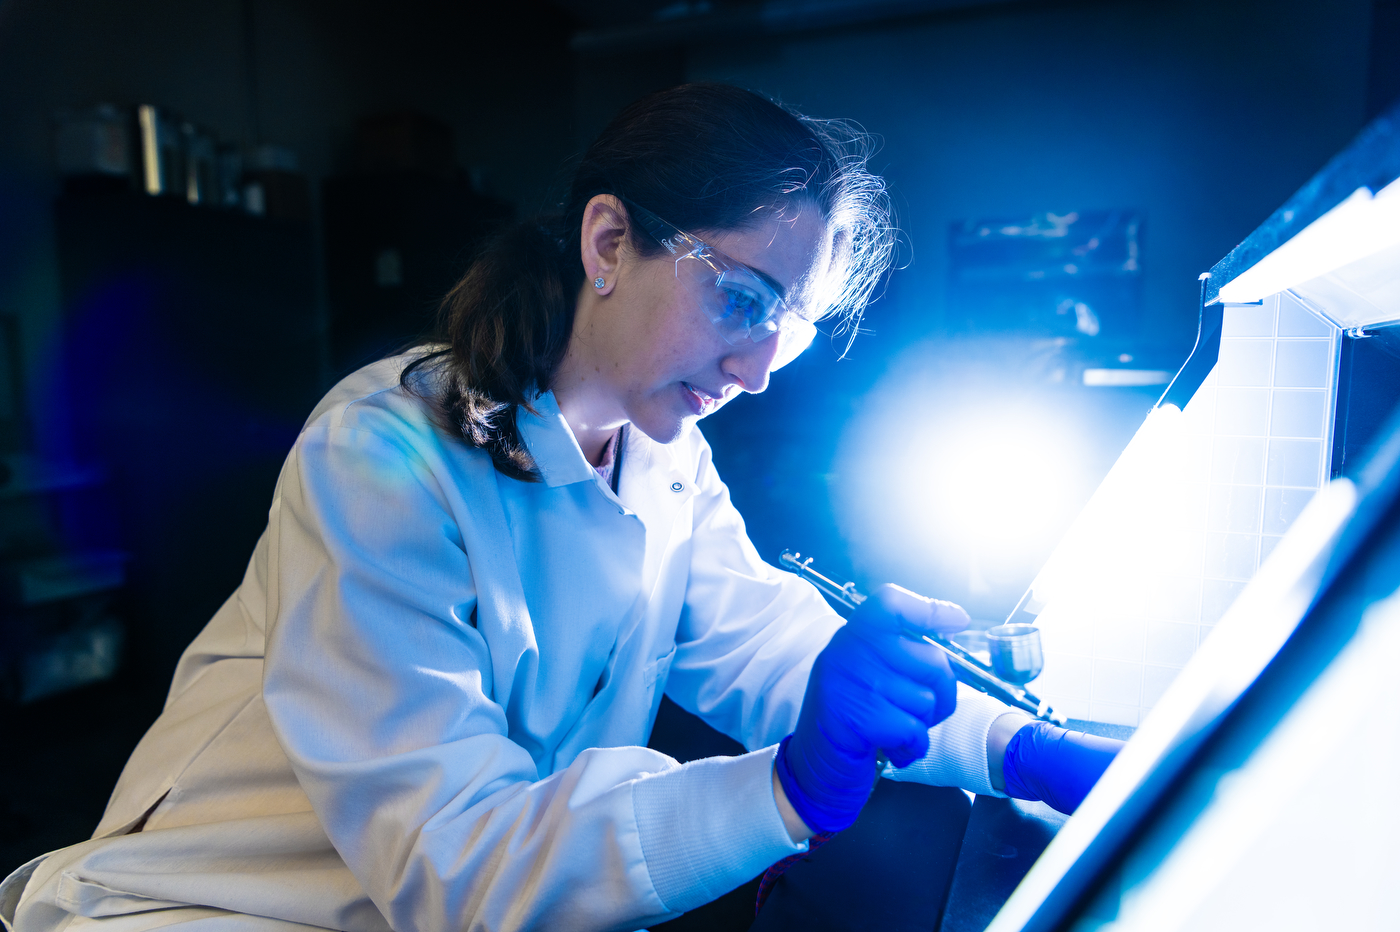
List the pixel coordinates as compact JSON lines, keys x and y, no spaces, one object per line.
{"x":1020,"y":650}
{"x":1015,"y":652}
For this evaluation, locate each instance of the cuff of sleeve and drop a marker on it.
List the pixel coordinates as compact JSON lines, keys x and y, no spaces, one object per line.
{"x":710,"y":825}
{"x":957,"y":746}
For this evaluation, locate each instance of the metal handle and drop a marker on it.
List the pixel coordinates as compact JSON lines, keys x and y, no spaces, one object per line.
{"x":966,"y":667}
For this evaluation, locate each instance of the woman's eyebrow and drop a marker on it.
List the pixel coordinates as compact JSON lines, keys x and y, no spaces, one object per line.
{"x":764,"y":276}
{"x":768,"y":279}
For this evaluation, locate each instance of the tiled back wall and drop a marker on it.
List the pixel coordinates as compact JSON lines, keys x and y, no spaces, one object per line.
{"x":1186,"y":518}
{"x":1271,"y":428}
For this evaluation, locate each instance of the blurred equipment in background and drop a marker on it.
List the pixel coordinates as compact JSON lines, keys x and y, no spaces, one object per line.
{"x":1074,"y":278}
{"x":62,"y":626}
{"x":201,"y":166}
{"x":162,"y":152}
{"x":1048,"y":275}
{"x":95,"y":142}
{"x":273,"y":186}
{"x":148,"y":148}
{"x":400,"y":230}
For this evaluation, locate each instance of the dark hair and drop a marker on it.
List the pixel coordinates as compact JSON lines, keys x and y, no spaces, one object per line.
{"x":706,"y":157}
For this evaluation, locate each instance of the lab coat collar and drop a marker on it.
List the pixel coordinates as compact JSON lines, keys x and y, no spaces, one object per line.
{"x":561,"y":461}
{"x":550,"y":441}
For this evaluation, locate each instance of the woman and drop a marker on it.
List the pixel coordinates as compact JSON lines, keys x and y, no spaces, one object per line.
{"x":485,"y":561}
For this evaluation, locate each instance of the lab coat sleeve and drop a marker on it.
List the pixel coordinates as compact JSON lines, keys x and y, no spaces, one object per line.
{"x":750,"y":633}
{"x":379,"y":688}
{"x":957,"y":747}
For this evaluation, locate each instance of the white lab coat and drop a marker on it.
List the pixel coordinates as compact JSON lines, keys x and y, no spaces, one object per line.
{"x":423,"y":708}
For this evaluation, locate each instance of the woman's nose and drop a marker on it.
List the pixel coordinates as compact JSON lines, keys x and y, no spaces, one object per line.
{"x":749,"y":364}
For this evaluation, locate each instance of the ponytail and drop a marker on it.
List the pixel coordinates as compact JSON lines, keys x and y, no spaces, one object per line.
{"x":506,"y":326}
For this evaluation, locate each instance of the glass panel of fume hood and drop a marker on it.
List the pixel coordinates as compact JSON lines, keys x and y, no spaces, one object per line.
{"x":1275,"y":833}
{"x":1197,"y":502}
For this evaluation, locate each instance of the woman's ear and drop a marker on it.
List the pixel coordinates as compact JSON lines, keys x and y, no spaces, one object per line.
{"x":601,"y":241}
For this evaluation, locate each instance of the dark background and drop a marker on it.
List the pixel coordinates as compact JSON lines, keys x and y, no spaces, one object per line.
{"x":185,"y":378}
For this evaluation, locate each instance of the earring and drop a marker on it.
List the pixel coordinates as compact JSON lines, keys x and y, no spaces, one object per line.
{"x":598,"y":282}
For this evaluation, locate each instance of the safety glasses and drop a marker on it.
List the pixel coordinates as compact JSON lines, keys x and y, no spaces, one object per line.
{"x":744,"y":305}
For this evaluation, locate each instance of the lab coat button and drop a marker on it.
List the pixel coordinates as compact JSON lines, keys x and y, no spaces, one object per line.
{"x":677,"y":487}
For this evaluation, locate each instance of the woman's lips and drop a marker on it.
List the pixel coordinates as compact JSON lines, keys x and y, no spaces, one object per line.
{"x":700,"y":401}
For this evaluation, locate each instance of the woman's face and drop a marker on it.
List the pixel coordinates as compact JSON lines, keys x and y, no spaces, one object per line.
{"x":643,"y":349}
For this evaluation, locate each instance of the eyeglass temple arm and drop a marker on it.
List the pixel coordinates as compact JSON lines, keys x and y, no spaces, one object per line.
{"x":657,"y":228}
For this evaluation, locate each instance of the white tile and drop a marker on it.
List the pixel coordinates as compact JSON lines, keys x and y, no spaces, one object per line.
{"x":1170,"y":526}
{"x":1124,"y":596}
{"x":1175,"y":598}
{"x":1295,"y":463}
{"x":1204,"y":633}
{"x":1248,"y":321}
{"x":1052,"y":612}
{"x":1217,"y":595}
{"x":1237,"y":460}
{"x":1183,"y":506}
{"x":1231,"y":556}
{"x":1066,"y":676}
{"x":1116,"y":681}
{"x":1235,"y":508}
{"x":1242,"y":411}
{"x":1196,"y":458}
{"x":1123,"y":638}
{"x":1092,"y":602}
{"x":1282,"y":507}
{"x":1294,"y":320}
{"x":1303,"y":364}
{"x":1155,"y":681}
{"x":1169,"y":642}
{"x":1244,"y":361}
{"x":1194,"y":502}
{"x":1267,"y":543}
{"x":1112,"y":713}
{"x":1065,"y":636}
{"x":1299,"y":413}
{"x":1184,"y":556}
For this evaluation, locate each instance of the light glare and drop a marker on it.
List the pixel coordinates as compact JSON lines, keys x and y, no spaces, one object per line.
{"x":953,"y":485}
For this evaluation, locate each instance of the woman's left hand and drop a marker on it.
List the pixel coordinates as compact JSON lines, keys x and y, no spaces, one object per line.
{"x":1057,"y":766}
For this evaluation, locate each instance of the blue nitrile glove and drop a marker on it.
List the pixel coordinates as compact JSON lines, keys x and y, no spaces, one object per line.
{"x":1055,"y":765}
{"x":871,"y":689}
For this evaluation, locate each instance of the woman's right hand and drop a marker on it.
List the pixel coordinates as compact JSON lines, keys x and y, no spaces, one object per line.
{"x":872,"y":689}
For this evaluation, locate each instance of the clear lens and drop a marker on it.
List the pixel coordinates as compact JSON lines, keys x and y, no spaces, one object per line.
{"x":745,"y":304}
{"x":742,"y":306}
{"x":792,"y":341}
